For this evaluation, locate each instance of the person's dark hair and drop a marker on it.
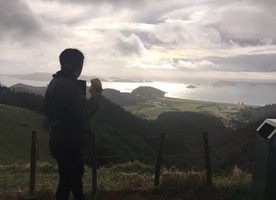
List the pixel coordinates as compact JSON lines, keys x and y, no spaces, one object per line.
{"x":71,"y":57}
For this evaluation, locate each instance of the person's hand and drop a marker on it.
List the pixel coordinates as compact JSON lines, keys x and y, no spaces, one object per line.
{"x":96,"y":88}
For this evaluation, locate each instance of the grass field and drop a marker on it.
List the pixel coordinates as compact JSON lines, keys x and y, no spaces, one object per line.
{"x":128,"y":181}
{"x":154,"y":107}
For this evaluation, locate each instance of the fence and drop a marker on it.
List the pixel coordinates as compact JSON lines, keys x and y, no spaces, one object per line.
{"x":34,"y":153}
{"x":93,"y":148}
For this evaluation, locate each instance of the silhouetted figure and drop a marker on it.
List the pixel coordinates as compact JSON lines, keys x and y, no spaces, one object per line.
{"x":69,"y":112}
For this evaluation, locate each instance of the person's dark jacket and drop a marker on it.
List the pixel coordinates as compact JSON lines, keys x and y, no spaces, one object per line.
{"x":68,"y":111}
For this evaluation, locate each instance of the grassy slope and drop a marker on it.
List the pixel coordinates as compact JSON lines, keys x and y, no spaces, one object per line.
{"x":15,"y":136}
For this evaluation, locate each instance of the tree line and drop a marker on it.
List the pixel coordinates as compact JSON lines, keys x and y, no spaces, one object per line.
{"x":21,"y":99}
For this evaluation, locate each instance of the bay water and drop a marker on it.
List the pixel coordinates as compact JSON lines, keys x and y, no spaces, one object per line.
{"x":247,"y":92}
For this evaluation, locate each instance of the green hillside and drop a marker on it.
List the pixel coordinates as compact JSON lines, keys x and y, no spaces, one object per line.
{"x":15,"y":138}
{"x":122,"y":136}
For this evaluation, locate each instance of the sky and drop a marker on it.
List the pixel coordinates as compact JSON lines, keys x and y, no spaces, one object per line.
{"x":145,"y":39}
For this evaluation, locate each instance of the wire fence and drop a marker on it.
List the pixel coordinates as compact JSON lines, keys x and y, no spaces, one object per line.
{"x":158,"y":156}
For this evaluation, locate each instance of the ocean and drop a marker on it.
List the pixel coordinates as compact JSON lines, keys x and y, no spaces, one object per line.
{"x":258,"y":93}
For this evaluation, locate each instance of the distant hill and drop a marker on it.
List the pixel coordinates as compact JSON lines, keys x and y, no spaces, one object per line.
{"x":147,"y":92}
{"x":120,"y":98}
{"x":27,"y":88}
{"x":138,"y":95}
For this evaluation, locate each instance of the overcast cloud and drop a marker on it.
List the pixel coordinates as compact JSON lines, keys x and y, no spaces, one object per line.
{"x":141,"y":38}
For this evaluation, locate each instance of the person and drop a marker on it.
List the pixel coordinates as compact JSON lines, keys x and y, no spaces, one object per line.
{"x":69,"y":111}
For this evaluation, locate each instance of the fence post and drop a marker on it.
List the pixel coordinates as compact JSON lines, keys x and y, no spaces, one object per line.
{"x":37,"y":148}
{"x":159,"y":160}
{"x":33,"y":163}
{"x":207,"y":158}
{"x":94,"y":163}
